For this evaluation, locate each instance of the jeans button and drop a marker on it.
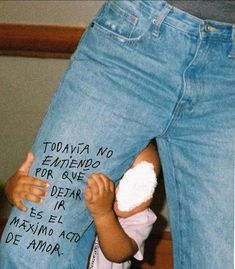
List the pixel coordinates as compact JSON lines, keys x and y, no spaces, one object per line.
{"x":155,"y":21}
{"x":209,"y":28}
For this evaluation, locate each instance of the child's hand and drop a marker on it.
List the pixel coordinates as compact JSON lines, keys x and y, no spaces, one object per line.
{"x":99,"y":195}
{"x":20,"y":186}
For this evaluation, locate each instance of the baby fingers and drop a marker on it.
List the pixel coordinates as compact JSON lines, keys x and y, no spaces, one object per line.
{"x":35,"y":190}
{"x":35,"y":181}
{"x":27,"y":196}
{"x":21,"y":206}
{"x":32,"y":197}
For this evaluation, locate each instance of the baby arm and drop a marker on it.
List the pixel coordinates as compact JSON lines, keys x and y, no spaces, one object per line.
{"x":20,"y":186}
{"x":99,"y":198}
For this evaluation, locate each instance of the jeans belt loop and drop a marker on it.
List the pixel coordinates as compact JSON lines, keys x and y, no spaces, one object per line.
{"x":232,"y":52}
{"x":157,"y":21}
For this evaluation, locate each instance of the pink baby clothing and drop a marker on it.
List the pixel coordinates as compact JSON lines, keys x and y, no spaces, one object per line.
{"x":137,"y":227}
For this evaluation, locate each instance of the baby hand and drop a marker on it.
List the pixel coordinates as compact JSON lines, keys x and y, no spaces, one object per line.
{"x":99,"y":195}
{"x":20,"y":186}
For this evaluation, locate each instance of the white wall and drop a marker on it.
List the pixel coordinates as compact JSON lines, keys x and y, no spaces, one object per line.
{"x":48,"y":12}
{"x":26,"y":86}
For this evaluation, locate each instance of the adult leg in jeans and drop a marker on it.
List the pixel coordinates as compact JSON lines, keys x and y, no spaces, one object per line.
{"x":198,"y":161}
{"x":92,"y":125}
{"x":197,"y":153}
{"x":83,"y":132}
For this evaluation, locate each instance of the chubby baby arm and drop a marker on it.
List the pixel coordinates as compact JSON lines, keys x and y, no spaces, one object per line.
{"x":20,"y":186}
{"x":99,"y":198}
{"x":126,"y":214}
{"x":99,"y":195}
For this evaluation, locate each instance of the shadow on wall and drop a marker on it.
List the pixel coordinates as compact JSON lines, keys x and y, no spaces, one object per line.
{"x":5,"y":205}
{"x":159,"y":201}
{"x":158,"y":253}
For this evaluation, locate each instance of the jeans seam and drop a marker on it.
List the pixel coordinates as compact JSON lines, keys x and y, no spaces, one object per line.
{"x":115,"y":36}
{"x":123,"y":13}
{"x":53,"y":100}
{"x":180,"y":29}
{"x":179,"y":105}
{"x":178,"y":199}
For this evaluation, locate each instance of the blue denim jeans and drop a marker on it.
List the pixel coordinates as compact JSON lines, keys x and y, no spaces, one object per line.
{"x":142,"y":70}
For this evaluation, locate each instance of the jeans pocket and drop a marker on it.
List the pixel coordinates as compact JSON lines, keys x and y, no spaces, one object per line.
{"x":115,"y":20}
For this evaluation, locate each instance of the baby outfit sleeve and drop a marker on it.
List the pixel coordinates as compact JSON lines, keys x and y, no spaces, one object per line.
{"x":138,"y":227}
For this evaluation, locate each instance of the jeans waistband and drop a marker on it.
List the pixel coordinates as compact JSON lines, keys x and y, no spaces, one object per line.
{"x":187,"y":22}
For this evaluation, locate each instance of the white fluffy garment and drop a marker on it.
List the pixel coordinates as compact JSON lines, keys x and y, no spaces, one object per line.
{"x":136,"y":186}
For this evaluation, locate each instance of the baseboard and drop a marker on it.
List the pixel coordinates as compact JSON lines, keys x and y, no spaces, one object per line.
{"x":41,"y":41}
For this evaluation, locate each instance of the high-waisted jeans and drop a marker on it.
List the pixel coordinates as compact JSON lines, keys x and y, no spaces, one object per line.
{"x":142,"y":70}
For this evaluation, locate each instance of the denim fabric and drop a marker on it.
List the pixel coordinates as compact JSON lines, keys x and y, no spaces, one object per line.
{"x":142,"y":70}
